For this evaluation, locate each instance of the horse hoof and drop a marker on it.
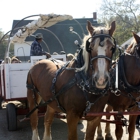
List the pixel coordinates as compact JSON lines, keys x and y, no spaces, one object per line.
{"x":100,"y":138}
{"x":109,"y":138}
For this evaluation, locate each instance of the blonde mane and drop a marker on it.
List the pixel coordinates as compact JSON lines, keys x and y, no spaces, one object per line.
{"x":131,"y":47}
{"x":86,"y":37}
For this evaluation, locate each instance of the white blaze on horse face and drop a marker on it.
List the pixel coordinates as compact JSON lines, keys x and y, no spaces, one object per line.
{"x":101,"y":65}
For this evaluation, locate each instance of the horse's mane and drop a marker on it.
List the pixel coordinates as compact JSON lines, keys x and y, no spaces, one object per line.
{"x":130,"y":49}
{"x":97,"y":30}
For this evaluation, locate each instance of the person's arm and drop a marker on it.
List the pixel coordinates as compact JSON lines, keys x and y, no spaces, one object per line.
{"x":48,"y":55}
{"x":36,"y":50}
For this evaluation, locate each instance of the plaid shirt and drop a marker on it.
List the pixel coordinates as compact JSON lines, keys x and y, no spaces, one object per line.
{"x":36,"y":49}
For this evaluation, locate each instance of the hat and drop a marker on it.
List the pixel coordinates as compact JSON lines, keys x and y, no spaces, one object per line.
{"x":55,"y":53}
{"x":38,"y":36}
{"x":62,"y":52}
{"x":69,"y":56}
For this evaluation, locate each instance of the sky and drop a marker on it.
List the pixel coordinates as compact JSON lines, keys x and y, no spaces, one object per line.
{"x":17,"y":9}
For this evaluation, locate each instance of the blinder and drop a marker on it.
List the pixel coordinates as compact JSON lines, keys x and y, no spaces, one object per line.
{"x":101,"y":36}
{"x":101,"y":43}
{"x":138,"y":46}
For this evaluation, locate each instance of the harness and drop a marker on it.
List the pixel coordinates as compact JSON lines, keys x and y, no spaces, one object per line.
{"x":101,"y":43}
{"x":81,"y":80}
{"x":85,"y":80}
{"x":124,"y":84}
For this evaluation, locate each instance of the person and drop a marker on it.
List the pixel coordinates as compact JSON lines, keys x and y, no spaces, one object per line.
{"x":55,"y":53}
{"x":15,"y":60}
{"x":36,"y":48}
{"x":62,"y":52}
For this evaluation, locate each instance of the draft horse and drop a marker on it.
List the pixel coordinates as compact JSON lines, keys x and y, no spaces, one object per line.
{"x":75,"y":87}
{"x":129,"y":86}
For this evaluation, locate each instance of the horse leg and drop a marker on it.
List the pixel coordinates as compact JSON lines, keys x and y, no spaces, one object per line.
{"x":91,"y":128}
{"x":72,"y":122}
{"x":119,"y":131}
{"x":34,"y":115}
{"x":48,"y":119}
{"x":108,"y":135}
{"x":99,"y":133}
{"x":131,"y":127}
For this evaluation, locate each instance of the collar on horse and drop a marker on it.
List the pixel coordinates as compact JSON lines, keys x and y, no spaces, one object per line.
{"x":124,"y":83}
{"x":80,"y":79}
{"x":83,"y":80}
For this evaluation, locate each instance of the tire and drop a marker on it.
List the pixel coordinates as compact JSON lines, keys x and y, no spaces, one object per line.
{"x":11,"y":117}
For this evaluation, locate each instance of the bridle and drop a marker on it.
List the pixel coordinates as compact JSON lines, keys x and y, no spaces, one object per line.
{"x":102,"y":37}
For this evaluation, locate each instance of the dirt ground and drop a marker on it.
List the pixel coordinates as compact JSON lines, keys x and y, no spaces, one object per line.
{"x":59,"y":130}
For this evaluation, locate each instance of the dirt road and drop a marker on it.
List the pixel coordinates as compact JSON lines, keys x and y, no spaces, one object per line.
{"x":59,"y":130}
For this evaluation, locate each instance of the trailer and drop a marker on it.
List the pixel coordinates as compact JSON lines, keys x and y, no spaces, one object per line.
{"x":13,"y":76}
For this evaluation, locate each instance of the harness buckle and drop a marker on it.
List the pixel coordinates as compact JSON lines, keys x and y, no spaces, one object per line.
{"x":54,"y":80}
{"x":82,"y":83}
{"x":117,"y":92}
{"x":122,"y":84}
{"x":88,"y":106}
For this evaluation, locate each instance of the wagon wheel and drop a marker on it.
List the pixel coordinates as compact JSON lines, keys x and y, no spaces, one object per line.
{"x":11,"y":117}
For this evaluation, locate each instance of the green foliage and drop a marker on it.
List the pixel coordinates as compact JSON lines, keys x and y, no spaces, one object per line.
{"x":124,"y":12}
{"x":4,"y":45}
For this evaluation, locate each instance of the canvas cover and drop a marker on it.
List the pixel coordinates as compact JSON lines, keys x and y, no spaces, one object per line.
{"x":43,"y":21}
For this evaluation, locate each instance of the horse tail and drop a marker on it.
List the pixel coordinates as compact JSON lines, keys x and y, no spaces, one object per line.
{"x":29,"y":81}
{"x":30,"y":84}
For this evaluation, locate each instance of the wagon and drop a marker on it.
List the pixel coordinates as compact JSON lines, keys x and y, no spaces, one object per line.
{"x":13,"y":75}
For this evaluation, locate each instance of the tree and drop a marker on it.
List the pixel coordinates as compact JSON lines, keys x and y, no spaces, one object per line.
{"x":4,"y":44}
{"x":125,"y":13}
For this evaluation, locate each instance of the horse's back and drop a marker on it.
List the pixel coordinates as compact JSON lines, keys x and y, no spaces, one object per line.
{"x":42,"y":72}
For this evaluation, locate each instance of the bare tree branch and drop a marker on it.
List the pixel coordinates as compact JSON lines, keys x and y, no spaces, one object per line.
{"x":122,"y":9}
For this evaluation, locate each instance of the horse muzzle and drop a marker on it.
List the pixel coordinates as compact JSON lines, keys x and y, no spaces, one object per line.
{"x":101,"y":82}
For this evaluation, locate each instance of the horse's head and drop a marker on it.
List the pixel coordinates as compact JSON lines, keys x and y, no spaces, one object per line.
{"x":134,"y":47}
{"x":100,"y":47}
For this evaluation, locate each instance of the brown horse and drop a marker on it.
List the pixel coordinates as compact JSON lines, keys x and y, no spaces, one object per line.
{"x":75,"y":87}
{"x":129,"y":80}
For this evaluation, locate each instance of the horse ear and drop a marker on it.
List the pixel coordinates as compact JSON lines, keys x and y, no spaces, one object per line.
{"x":137,"y":38}
{"x":112,"y":28}
{"x":90,"y":27}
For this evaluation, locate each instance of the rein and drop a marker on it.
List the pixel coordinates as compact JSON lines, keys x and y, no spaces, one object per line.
{"x":125,"y":85}
{"x":81,"y":80}
{"x":128,"y":87}
{"x":31,"y":86}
